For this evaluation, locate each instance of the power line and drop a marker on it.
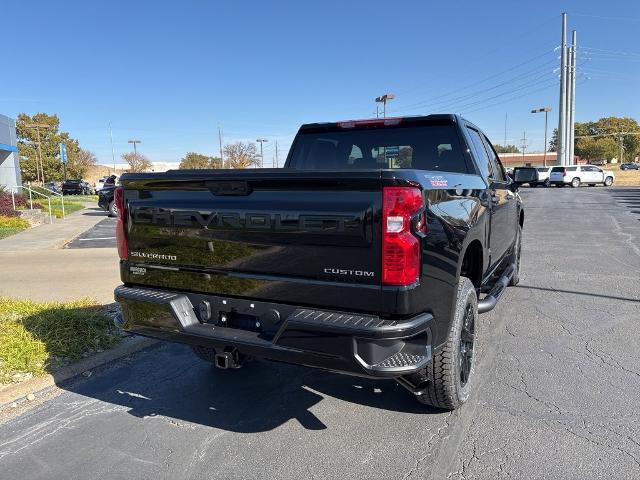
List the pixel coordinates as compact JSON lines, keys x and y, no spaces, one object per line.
{"x":473,"y":84}
{"x":616,"y":52}
{"x":630,"y":19}
{"x":526,"y":74}
{"x":514,"y":98}
{"x":533,"y":29}
{"x":457,"y":106}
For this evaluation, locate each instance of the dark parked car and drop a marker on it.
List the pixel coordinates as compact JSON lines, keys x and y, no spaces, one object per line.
{"x":630,"y":166}
{"x":76,"y":187}
{"x":54,"y":186}
{"x":105,"y":199}
{"x":371,"y":253}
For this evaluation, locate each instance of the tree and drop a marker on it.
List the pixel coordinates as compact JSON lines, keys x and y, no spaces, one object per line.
{"x":194,"y":160}
{"x":137,"y":162}
{"x":241,"y":155}
{"x":596,"y":148}
{"x":506,"y":149}
{"x":604,"y":133}
{"x":50,"y":140}
{"x":77,"y":167}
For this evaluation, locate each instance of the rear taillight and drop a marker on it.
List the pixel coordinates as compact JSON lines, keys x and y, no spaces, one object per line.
{"x":121,"y":236}
{"x":400,"y":247}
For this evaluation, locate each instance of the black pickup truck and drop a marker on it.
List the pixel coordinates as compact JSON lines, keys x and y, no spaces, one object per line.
{"x":370,"y":253}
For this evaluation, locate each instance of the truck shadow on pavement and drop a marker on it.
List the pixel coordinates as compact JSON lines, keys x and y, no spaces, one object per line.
{"x":170,"y":382}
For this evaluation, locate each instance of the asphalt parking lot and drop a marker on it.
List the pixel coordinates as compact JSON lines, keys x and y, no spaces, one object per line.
{"x":556,"y":396}
{"x":101,"y":235}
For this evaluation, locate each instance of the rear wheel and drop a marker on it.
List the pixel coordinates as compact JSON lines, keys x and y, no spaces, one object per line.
{"x":451,"y":373}
{"x":113,"y":209}
{"x":608,"y":181}
{"x":547,"y":183}
{"x":517,"y":253}
{"x":575,"y":183}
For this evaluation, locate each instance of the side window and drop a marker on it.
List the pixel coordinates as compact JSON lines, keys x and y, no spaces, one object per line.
{"x":498,"y":170}
{"x":484,"y":163}
{"x":356,"y":154}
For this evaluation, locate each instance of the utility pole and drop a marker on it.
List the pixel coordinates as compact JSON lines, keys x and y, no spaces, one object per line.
{"x":620,"y":138}
{"x":40,"y":169}
{"x":384,"y":99}
{"x":261,"y":141}
{"x":571,"y":103}
{"x":524,"y":144}
{"x":277,"y":160}
{"x":220,"y":143}
{"x":113,"y":154}
{"x":505,"y":129}
{"x":562,"y":111}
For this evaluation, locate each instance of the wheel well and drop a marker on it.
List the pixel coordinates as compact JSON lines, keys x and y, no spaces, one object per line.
{"x":472,"y":263}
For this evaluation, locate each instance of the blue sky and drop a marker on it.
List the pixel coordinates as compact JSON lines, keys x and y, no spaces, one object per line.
{"x":168,"y":73}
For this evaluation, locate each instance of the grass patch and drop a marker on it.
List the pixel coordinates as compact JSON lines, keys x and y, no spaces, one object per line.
{"x":36,"y":338}
{"x":7,"y":231}
{"x":80,"y":198}
{"x":70,"y":205}
{"x":12,"y":225}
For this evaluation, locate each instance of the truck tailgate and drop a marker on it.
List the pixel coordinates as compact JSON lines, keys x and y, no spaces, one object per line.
{"x":243,"y":232}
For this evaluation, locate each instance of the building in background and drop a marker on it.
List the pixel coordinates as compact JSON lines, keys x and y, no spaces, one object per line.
{"x":164,"y":166}
{"x":9,"y":161}
{"x":533,"y":159}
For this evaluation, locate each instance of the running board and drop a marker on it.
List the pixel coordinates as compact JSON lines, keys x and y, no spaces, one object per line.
{"x":489,"y":302}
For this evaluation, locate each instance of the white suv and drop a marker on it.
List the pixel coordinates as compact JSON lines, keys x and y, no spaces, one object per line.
{"x":579,"y":174}
{"x":543,"y":176}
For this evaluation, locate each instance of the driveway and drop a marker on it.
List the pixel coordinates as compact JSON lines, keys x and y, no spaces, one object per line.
{"x":556,"y":397}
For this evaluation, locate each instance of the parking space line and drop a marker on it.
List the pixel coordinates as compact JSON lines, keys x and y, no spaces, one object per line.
{"x":96,"y":238}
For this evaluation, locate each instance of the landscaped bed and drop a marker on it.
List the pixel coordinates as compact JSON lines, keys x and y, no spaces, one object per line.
{"x":38,"y":338}
{"x":12,"y":225}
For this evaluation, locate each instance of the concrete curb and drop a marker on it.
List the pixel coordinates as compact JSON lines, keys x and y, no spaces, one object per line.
{"x":128,"y":346}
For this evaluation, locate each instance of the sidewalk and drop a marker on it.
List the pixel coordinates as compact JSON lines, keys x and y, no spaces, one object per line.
{"x":53,"y":235}
{"x":34,"y":265}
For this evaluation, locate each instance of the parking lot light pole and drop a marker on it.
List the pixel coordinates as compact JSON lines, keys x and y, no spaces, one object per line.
{"x":383,"y":99}
{"x":546,"y":111}
{"x":261,"y":141}
{"x":135,"y":150}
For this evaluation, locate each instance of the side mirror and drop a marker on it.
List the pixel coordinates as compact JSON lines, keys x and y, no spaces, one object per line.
{"x":524,"y":175}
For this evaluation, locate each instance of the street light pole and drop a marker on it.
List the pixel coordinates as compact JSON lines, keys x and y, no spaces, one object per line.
{"x":135,"y":150}
{"x":113,"y":153}
{"x":546,"y":111}
{"x":261,"y":141}
{"x":383,"y":99}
